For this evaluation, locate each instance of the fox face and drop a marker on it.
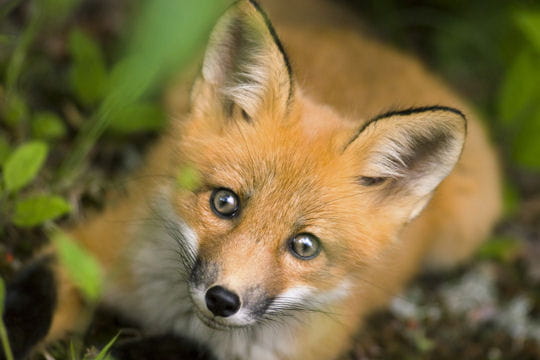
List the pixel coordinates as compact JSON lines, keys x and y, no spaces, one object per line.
{"x":295,"y":201}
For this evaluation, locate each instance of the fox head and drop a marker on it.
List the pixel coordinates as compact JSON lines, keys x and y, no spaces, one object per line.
{"x":295,"y":200}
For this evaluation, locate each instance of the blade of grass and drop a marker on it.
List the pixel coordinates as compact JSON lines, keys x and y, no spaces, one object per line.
{"x":18,"y":57}
{"x":72,"y":352}
{"x":103,"y":353}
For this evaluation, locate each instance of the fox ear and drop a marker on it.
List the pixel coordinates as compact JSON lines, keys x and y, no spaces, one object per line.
{"x":408,"y":153}
{"x":245,"y":63}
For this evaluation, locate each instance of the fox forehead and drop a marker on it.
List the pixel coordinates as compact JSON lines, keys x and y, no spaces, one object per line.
{"x":296,"y":154}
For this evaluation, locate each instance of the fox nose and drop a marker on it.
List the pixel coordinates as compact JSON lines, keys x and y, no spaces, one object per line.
{"x":222,"y":302}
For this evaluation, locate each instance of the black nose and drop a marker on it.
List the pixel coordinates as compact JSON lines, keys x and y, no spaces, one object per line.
{"x":222,"y":302}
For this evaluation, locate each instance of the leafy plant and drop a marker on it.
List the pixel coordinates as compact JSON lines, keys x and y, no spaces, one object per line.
{"x":19,"y":168}
{"x":519,"y":97}
{"x":82,"y":268}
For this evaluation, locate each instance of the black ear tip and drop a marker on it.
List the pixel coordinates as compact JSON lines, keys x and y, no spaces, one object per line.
{"x":407,"y":112}
{"x":274,"y":35}
{"x":418,"y":110}
{"x":256,"y":4}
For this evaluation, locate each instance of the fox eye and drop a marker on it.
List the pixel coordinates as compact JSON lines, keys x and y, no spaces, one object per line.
{"x":305,"y":246}
{"x":371,"y":181}
{"x":224,"y":203}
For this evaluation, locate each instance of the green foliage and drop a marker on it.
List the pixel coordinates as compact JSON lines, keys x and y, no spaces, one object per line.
{"x":529,"y":23}
{"x":501,"y":248}
{"x":526,"y":147}
{"x":15,"y":111}
{"x":104,"y":353}
{"x":4,"y":150}
{"x":82,"y":268}
{"x":519,"y":89}
{"x":19,"y":169}
{"x":519,"y":99}
{"x":511,"y":198}
{"x":188,"y":178}
{"x":47,"y":126}
{"x":88,"y":75}
{"x":36,"y":210}
{"x":76,"y":348}
{"x":22,"y":166}
{"x":166,"y":35}
{"x":138,"y":117}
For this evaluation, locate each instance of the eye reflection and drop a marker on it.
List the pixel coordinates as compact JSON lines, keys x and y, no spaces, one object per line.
{"x":224,"y":203}
{"x":305,"y":246}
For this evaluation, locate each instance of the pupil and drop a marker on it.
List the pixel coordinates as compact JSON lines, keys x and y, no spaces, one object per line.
{"x":225,"y":202}
{"x":305,"y":245}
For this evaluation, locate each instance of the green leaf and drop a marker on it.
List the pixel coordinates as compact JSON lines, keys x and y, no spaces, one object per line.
{"x":188,"y":178}
{"x":83,"y":269}
{"x":23,"y":164}
{"x":138,"y":117}
{"x":36,"y":210}
{"x":15,"y":110}
{"x":529,"y":23}
{"x":4,"y":150}
{"x":519,"y":90}
{"x":88,"y":75}
{"x":167,"y":35}
{"x":47,"y":126}
{"x":526,"y":145}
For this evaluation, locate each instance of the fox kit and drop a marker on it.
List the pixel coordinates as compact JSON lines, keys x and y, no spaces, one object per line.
{"x":326,"y":182}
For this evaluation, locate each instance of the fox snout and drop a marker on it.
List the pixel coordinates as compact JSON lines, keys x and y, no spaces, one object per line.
{"x":222,"y":302}
{"x":220,"y":305}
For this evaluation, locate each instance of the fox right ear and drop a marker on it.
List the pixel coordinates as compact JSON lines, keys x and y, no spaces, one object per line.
{"x":245,"y":64}
{"x":410,"y":151}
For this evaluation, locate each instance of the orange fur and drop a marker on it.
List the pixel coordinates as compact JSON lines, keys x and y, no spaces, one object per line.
{"x":290,"y":167}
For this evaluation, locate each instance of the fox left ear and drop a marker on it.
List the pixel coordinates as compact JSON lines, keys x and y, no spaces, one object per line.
{"x":408,"y":153}
{"x":245,"y":64}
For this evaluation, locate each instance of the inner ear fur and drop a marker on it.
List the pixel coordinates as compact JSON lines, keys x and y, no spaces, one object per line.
{"x":245,"y":63}
{"x":414,"y":149}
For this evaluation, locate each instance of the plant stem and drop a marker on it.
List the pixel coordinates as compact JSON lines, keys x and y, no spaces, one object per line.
{"x":18,"y":57}
{"x":5,"y":341}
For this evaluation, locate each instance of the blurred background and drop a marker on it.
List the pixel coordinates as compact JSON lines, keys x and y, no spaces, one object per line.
{"x":81,"y":85}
